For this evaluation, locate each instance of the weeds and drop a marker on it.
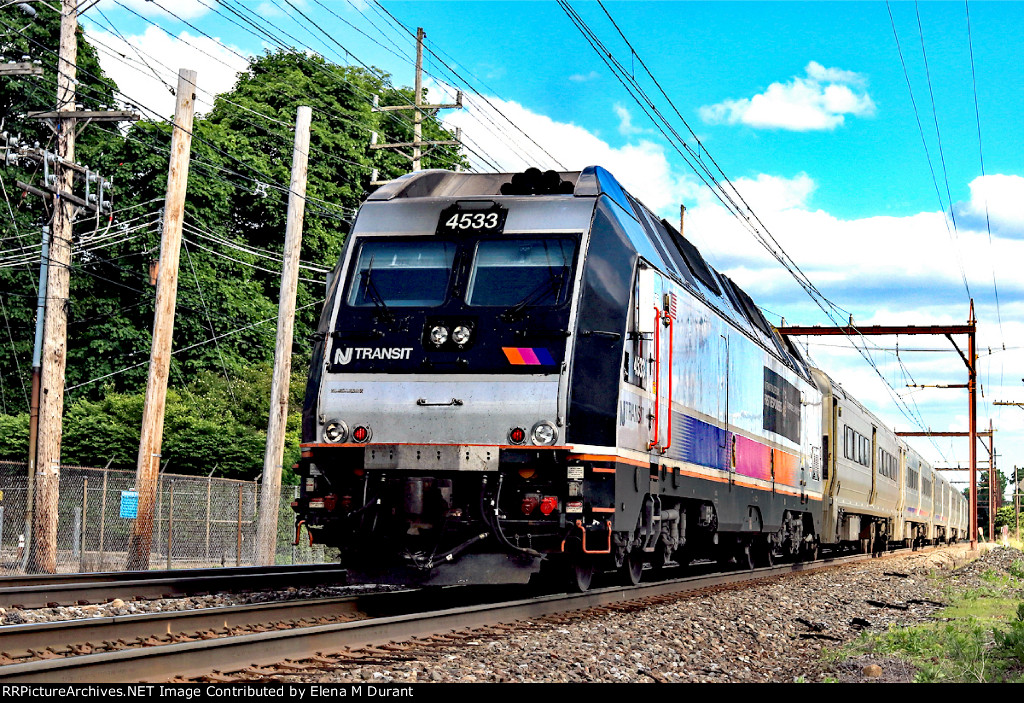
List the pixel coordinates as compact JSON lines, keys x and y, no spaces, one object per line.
{"x":980,"y":640}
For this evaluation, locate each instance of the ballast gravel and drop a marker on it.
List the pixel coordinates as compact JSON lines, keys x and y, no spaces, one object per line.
{"x":772,"y":631}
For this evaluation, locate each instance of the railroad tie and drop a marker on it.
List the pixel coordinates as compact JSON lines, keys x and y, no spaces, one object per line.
{"x":322,"y":658}
{"x":290,"y":665}
{"x":261,"y":671}
{"x":216,"y":677}
{"x":150,"y":641}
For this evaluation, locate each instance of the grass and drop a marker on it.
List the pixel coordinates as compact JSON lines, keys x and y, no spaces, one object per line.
{"x":979,"y":637}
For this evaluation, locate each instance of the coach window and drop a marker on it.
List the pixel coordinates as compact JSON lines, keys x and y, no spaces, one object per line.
{"x":401,"y":274}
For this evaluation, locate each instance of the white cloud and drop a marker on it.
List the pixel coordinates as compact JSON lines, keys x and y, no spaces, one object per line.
{"x":821,"y":74}
{"x":584,"y":77}
{"x":146,"y":66}
{"x":626,"y":126}
{"x":819,"y":101}
{"x":1001,"y":198}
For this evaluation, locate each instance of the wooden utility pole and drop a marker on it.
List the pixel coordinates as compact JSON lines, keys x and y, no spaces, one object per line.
{"x":43,"y":557}
{"x":417,"y":118}
{"x":147,"y":472}
{"x":418,"y":107}
{"x":270,"y":487}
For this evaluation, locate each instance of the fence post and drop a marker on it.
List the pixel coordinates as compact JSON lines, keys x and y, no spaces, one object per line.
{"x":159,"y":512}
{"x":1,"y":527}
{"x":170,"y":524}
{"x":296,"y":492}
{"x":209,"y":485}
{"x":76,"y":536}
{"x":103,"y":519}
{"x":85,"y":521}
{"x":238,"y":544}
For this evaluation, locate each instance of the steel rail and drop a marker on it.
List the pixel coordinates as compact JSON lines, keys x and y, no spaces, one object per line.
{"x":72,"y":589}
{"x":18,"y":641}
{"x":233,"y":653}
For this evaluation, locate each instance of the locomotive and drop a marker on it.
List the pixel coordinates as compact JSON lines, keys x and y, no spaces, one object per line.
{"x":523,"y":376}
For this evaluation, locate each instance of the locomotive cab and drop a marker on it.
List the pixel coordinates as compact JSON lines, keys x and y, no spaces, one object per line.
{"x":436,"y":412}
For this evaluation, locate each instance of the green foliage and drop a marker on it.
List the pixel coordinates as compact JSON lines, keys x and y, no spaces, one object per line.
{"x":1016,"y":569}
{"x":21,"y":216}
{"x":1011,"y":642}
{"x":226,"y":305}
{"x":971,"y":642}
{"x":1005,"y":516}
{"x":14,"y":437}
{"x":210,"y":425}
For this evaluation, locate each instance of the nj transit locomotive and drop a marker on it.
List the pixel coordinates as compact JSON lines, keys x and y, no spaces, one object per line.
{"x":516,"y":374}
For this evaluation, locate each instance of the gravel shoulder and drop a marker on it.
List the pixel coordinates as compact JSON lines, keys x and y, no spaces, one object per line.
{"x":768,"y":632}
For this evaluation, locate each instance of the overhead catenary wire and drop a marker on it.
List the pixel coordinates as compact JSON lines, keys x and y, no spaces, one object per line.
{"x":719,"y":184}
{"x":981,"y":158}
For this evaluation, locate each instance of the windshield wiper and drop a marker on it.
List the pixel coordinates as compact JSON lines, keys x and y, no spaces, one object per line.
{"x":370,"y":289}
{"x":533,"y":298}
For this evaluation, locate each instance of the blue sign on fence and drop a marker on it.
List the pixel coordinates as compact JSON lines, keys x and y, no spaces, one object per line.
{"x":130,"y":504}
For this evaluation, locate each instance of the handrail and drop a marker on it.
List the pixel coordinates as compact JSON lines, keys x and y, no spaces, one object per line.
{"x":657,"y":378}
{"x":671,"y":336}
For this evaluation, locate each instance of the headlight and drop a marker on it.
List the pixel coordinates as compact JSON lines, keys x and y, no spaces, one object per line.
{"x":544,"y":433}
{"x":461,"y":335}
{"x":336,"y":431}
{"x":439,"y":335}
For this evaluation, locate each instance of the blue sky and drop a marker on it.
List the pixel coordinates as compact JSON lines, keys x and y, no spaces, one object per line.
{"x":804,"y":105}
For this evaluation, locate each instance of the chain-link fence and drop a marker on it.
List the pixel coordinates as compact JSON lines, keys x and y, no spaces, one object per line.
{"x":197,"y":522}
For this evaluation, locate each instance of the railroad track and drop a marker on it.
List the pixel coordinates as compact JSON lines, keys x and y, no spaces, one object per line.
{"x":53,"y":590}
{"x":254,"y":641}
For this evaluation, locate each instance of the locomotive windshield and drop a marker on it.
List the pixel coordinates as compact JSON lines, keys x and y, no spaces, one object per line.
{"x":402,"y":274}
{"x":521,"y":272}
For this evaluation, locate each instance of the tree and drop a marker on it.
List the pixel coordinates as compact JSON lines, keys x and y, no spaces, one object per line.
{"x":36,"y":37}
{"x":983,"y":495}
{"x":227,"y":298}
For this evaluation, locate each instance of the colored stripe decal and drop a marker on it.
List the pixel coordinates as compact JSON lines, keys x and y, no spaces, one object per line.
{"x":513,"y":356}
{"x":528,"y":356}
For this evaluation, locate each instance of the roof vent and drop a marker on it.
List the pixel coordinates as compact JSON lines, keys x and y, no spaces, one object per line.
{"x":533,"y":182}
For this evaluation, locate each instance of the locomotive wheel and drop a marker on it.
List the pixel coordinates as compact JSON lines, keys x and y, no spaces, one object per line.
{"x":767,"y":553}
{"x":745,"y":556}
{"x":578,"y":567}
{"x":633,"y":567}
{"x":809,"y":553}
{"x":581,"y":573}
